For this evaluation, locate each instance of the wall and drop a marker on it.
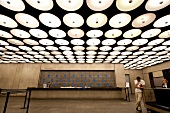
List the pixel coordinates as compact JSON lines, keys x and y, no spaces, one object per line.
{"x":19,"y":76}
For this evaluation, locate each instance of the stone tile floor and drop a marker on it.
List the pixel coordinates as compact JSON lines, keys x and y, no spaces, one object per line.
{"x":70,"y":106}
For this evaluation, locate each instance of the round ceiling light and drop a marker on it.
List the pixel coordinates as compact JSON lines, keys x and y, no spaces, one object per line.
{"x":163,"y":21}
{"x":64,"y":48}
{"x":99,"y":5}
{"x":73,"y":20}
{"x":92,"y":48}
{"x":96,"y":20}
{"x":165,"y":34}
{"x":70,"y":5}
{"x":43,"y":5}
{"x":119,"y":48}
{"x":156,"y":42}
{"x":46,"y":42}
{"x":132,"y":33}
{"x":124,"y":42}
{"x":146,"y":48}
{"x":7,"y":22}
{"x":166,"y":43}
{"x":77,"y":42}
{"x":52,"y":20}
{"x":39,"y":48}
{"x":143,"y":20}
{"x":57,"y":33}
{"x":27,"y":20}
{"x":132,"y":48}
{"x":128,"y":5}
{"x":120,"y":20}
{"x":108,"y":42}
{"x":150,"y":33}
{"x":76,"y":33}
{"x":12,"y":48}
{"x":78,"y":48}
{"x":30,"y":42}
{"x":16,"y":5}
{"x":15,"y":42}
{"x":5,"y":34}
{"x":51,"y":48}
{"x":154,"y":5}
{"x":113,"y":33}
{"x":94,"y":33}
{"x":93,"y":42}
{"x":25,"y":48}
{"x":105,"y":48}
{"x":3,"y":42}
{"x":140,"y":41}
{"x":38,"y":33}
{"x":20,"y":33}
{"x":61,"y":42}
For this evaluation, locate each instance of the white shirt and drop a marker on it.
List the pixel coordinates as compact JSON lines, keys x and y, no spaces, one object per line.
{"x":141,"y":82}
{"x":165,"y":85}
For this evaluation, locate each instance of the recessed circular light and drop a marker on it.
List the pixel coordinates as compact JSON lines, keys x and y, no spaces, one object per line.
{"x":92,"y":48}
{"x":150,"y":33}
{"x":119,"y":48}
{"x":165,"y":34}
{"x":43,"y":5}
{"x":70,"y":5}
{"x":120,"y":20}
{"x":128,"y":5}
{"x":20,"y":33}
{"x":143,"y":20}
{"x":57,"y":33}
{"x":163,"y":21}
{"x":27,"y":20}
{"x":93,"y":42}
{"x":5,"y":34}
{"x":73,"y":20}
{"x":15,"y":42}
{"x":156,"y":42}
{"x":61,"y":42}
{"x":46,"y":42}
{"x":7,"y":22}
{"x":154,"y":5}
{"x":132,"y":33}
{"x":140,"y":41}
{"x":113,"y":33}
{"x":51,"y":48}
{"x":96,"y":20}
{"x":38,"y":48}
{"x":132,"y":48}
{"x":76,"y":33}
{"x":16,"y":5}
{"x":77,"y":42}
{"x":30,"y":42}
{"x":99,"y":5}
{"x":12,"y":48}
{"x":94,"y":33}
{"x":108,"y":42}
{"x":124,"y":42}
{"x":78,"y":48}
{"x":38,"y":33}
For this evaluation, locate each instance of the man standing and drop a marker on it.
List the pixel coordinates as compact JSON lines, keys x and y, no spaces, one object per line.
{"x":139,"y":85}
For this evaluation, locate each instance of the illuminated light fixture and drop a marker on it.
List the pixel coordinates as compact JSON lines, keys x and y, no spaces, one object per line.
{"x":156,"y":42}
{"x":162,"y":22}
{"x":108,"y":42}
{"x":162,"y":53}
{"x":38,"y":33}
{"x":16,"y":5}
{"x":80,"y":57}
{"x":52,"y":20}
{"x":119,"y":48}
{"x":43,"y":5}
{"x":79,"y":53}
{"x":153,"y":5}
{"x":101,"y":56}
{"x":92,"y":48}
{"x":73,"y":20}
{"x":94,"y":33}
{"x":120,"y":20}
{"x":128,"y":5}
{"x":124,"y":42}
{"x":56,"y":53}
{"x":67,"y":52}
{"x":21,"y":53}
{"x":38,"y":56}
{"x":51,"y":48}
{"x":32,"y":52}
{"x":123,"y":62}
{"x":98,"y":61}
{"x":3,"y":42}
{"x":165,"y":34}
{"x":57,"y":33}
{"x":121,"y":57}
{"x":138,"y":53}
{"x":115,"y":53}
{"x":12,"y":48}
{"x":96,"y":20}
{"x":25,"y":48}
{"x":70,"y":5}
{"x":64,"y":48}
{"x":150,"y":53}
{"x":91,"y":52}
{"x":105,"y":48}
{"x":132,"y":48}
{"x":46,"y":42}
{"x":38,"y":48}
{"x":166,"y":43}
{"x":113,"y":33}
{"x":20,"y":33}
{"x":15,"y":42}
{"x":146,"y":48}
{"x":99,"y":5}
{"x":61,"y":42}
{"x":140,"y":41}
{"x":10,"y":53}
{"x":77,"y":42}
{"x":75,"y":33}
{"x":5,"y":34}
{"x":27,"y":20}
{"x":27,"y":56}
{"x":150,"y":33}
{"x":132,"y":33}
{"x":7,"y":22}
{"x":111,"y":57}
{"x":159,"y":48}
{"x":93,"y":42}
{"x":59,"y":56}
{"x":103,"y":53}
{"x":30,"y":42}
{"x":78,"y":48}
{"x":143,"y":20}
{"x":44,"y":52}
{"x":126,"y":53}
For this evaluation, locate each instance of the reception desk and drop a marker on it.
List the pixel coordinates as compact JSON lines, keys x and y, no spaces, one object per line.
{"x":76,"y":93}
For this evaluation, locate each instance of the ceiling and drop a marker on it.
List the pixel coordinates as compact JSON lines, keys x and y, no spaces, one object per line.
{"x":133,"y":32}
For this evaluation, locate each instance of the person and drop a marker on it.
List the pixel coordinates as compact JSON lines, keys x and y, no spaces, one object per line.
{"x":139,"y":85}
{"x":164,"y":83}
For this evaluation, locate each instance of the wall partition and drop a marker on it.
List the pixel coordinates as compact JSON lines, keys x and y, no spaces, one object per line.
{"x":78,"y":78}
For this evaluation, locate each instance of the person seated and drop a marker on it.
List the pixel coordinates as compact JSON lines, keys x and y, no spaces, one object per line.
{"x":164,"y":83}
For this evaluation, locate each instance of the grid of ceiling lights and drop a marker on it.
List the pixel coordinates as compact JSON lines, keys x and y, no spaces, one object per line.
{"x":35,"y":46}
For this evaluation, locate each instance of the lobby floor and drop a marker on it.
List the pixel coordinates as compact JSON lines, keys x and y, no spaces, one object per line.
{"x":70,"y":106}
